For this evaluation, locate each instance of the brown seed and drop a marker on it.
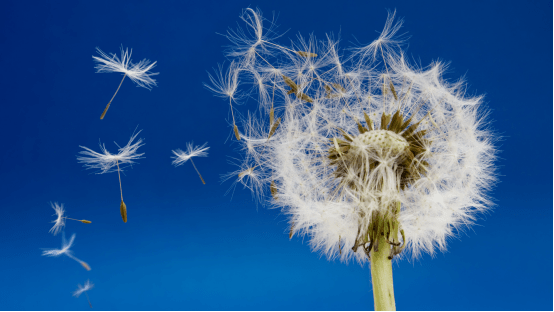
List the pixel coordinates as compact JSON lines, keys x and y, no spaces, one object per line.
{"x":361,"y":128}
{"x":347,"y":136}
{"x":271,"y":115}
{"x":291,"y":230}
{"x":123,"y":210}
{"x":304,"y":97}
{"x":327,"y":90}
{"x":86,"y":221}
{"x":385,"y":119}
{"x":105,"y":110}
{"x":368,"y":121}
{"x":306,"y":54}
{"x":396,"y":122}
{"x":339,"y":87}
{"x":290,"y":83}
{"x":273,"y":188}
{"x":85,"y":265}
{"x":393,"y":91}
{"x":237,"y":132}
{"x":274,"y":127}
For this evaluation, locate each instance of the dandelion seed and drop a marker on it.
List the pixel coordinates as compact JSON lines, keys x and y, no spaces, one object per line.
{"x":401,"y":184}
{"x":59,"y":223}
{"x":139,"y":73}
{"x":182,"y":157}
{"x":83,"y":289}
{"x":105,"y":161}
{"x":65,"y":250}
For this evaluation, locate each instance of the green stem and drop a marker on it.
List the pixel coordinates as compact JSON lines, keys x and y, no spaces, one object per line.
{"x":381,"y":277}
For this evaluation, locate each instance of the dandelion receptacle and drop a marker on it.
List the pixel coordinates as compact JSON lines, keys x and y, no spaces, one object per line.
{"x":372,"y":158}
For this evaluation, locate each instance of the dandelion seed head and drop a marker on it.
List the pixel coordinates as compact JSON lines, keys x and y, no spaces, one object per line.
{"x":364,"y":139}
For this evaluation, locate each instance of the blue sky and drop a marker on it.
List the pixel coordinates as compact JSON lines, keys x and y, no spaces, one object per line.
{"x":187,"y":246}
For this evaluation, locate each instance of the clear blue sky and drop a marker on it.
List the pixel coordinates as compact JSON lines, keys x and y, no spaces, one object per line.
{"x":187,"y":246}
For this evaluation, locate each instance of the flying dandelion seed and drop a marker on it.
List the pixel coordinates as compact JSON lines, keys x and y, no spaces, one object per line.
{"x":105,"y":161}
{"x":139,"y":73}
{"x":83,"y":289}
{"x":182,"y":157}
{"x":59,"y":223}
{"x":65,"y":250}
{"x":372,"y":158}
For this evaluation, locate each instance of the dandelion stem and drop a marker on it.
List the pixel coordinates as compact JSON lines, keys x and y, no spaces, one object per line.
{"x":108,"y":106}
{"x":197,"y":171}
{"x":88,"y":299}
{"x":119,"y":175}
{"x":381,"y":277}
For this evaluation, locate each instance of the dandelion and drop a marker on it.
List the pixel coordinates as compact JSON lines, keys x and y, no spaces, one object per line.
{"x":65,"y":250}
{"x":105,"y":162}
{"x":182,"y":157}
{"x":59,"y":223}
{"x":372,"y":158}
{"x":83,"y":289}
{"x":139,"y":73}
